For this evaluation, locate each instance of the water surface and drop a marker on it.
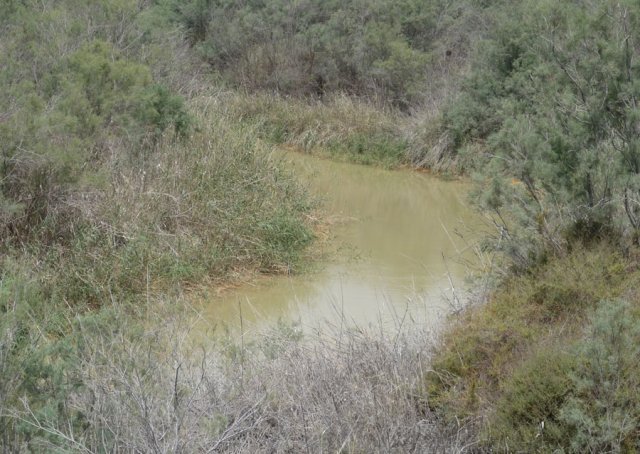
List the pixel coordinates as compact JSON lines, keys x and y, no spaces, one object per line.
{"x":395,"y":253}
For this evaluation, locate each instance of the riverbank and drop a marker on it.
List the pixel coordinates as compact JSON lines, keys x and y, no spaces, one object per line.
{"x":130,"y":387}
{"x":350,"y":129}
{"x":543,"y":349}
{"x":114,"y":234}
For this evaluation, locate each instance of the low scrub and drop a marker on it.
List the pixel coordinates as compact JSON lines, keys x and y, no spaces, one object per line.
{"x":581,"y":397}
{"x":115,"y":383}
{"x":550,"y":361}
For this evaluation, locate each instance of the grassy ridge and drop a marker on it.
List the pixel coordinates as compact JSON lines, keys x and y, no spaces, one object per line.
{"x":342,"y":127}
{"x":350,"y":129}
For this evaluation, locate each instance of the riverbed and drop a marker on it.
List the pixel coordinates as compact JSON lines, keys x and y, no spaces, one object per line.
{"x":399,"y":249}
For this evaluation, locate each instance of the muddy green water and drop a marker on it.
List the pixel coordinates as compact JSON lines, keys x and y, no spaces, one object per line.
{"x":395,"y":251}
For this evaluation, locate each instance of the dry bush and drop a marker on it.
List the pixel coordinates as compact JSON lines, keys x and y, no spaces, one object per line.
{"x":151,"y":390}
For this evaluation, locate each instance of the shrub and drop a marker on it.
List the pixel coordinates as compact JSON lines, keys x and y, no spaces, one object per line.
{"x":94,"y":98}
{"x":550,"y":96}
{"x":126,"y":385}
{"x":583,"y":399}
{"x":527,"y":417}
{"x":603,"y":413}
{"x":316,"y":47}
{"x":525,"y":357}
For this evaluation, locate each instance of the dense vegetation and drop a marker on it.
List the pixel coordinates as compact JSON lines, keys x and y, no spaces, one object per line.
{"x":135,"y":140}
{"x":377,"y":49}
{"x":115,"y":188}
{"x":551,"y":361}
{"x":547,"y":120}
{"x":395,"y":61}
{"x":550,"y":114}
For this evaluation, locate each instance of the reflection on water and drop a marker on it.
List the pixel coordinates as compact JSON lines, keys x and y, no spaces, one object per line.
{"x":400,"y":248}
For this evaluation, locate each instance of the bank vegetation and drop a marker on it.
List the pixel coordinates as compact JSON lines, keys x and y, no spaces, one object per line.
{"x":136,"y":140}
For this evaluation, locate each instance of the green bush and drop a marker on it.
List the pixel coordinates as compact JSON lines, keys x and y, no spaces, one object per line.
{"x":376,"y":49}
{"x":119,"y":94}
{"x":527,"y":417}
{"x":582,"y":399}
{"x":603,"y":412}
{"x":551,"y":96}
{"x":94,"y":97}
{"x":551,"y":361}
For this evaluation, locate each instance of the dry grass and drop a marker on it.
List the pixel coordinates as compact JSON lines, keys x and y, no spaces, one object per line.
{"x":352,"y":129}
{"x":152,"y":390}
{"x":344,"y":127}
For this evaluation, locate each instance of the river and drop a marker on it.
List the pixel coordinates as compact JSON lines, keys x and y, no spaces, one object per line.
{"x":396,"y":252}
